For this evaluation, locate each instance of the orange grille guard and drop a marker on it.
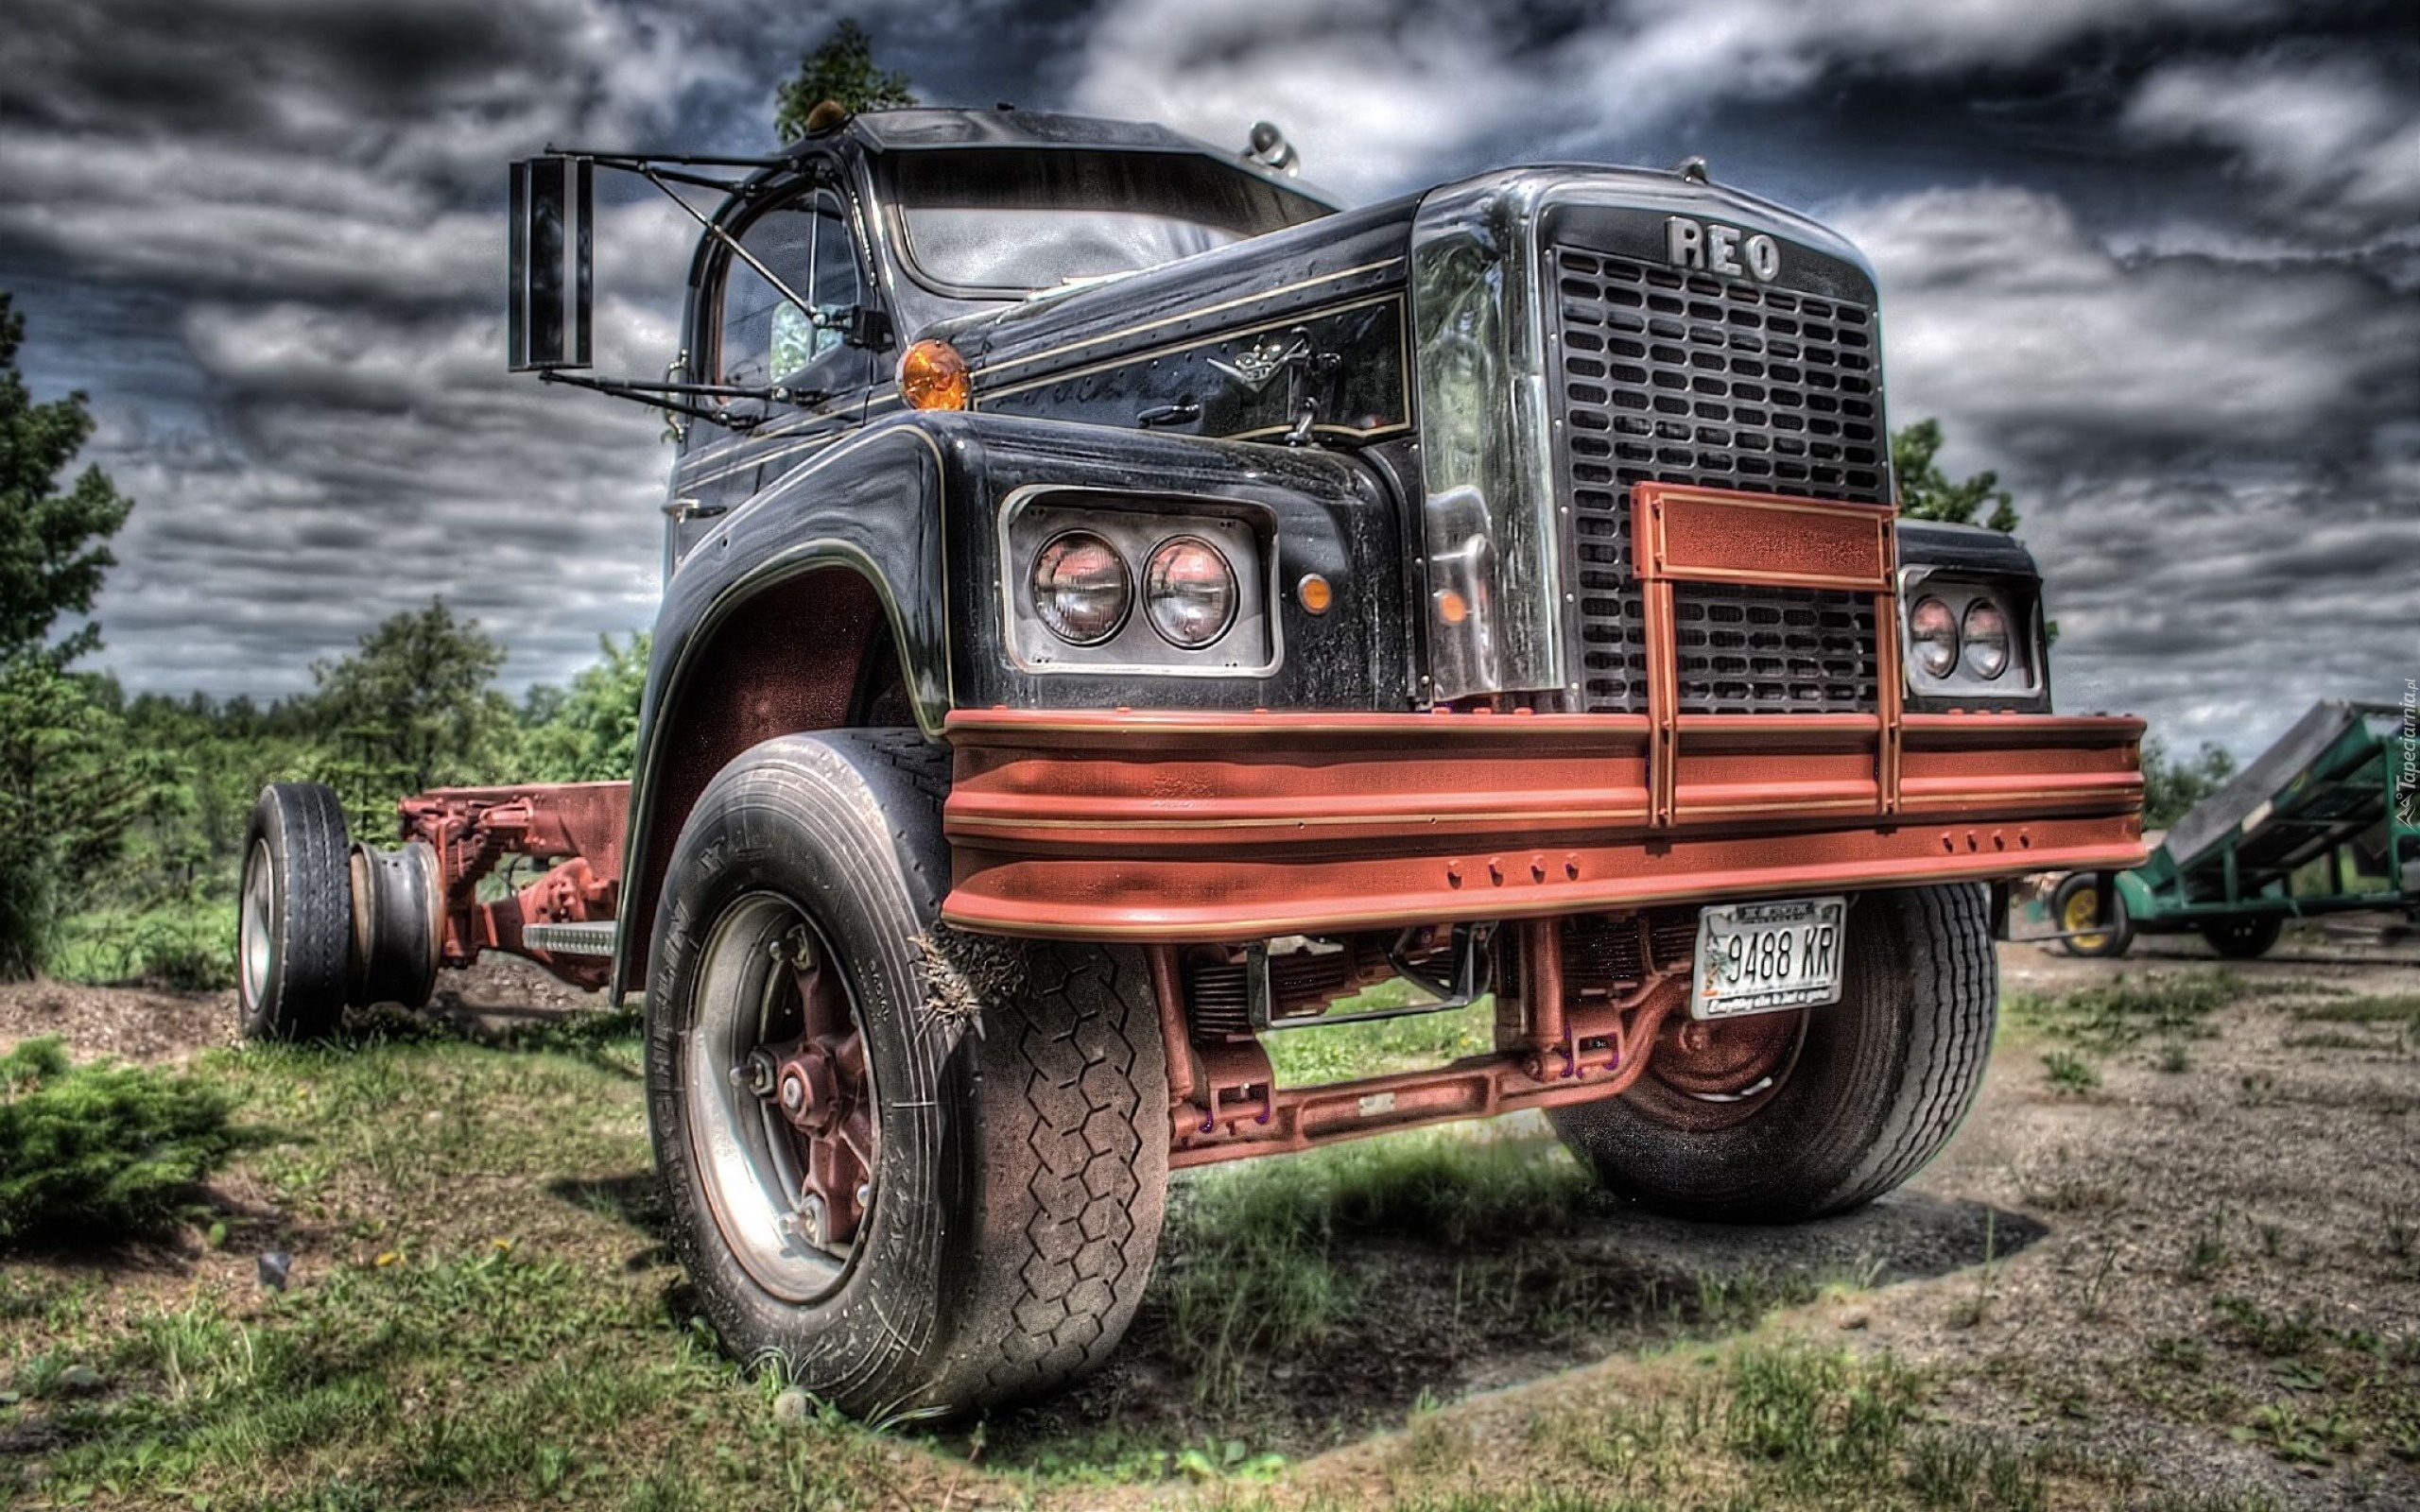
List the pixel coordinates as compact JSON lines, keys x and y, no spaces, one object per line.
{"x":1191,"y":826}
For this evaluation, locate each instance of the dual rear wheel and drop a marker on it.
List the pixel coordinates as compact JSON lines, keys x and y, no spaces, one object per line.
{"x":323,"y":924}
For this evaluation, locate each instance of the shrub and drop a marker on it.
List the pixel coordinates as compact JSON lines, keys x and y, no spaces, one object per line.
{"x":2069,"y":1072}
{"x":100,"y":1151}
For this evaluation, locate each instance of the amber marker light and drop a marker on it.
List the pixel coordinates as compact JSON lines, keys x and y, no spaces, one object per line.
{"x":1315,"y":594}
{"x":933,"y":375}
{"x":1452,"y":608}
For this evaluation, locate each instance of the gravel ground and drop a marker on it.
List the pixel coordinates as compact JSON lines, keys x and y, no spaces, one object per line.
{"x":2203,"y":1268}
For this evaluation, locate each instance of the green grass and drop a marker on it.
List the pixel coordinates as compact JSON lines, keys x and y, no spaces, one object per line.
{"x":478,"y":1313}
{"x":1314,"y":1053}
{"x":2070,"y":1073}
{"x":1763,"y":1425}
{"x":2122,"y":1012}
{"x":2400,"y":1008}
{"x":1253,"y":1270}
{"x":183,"y":943}
{"x":482,"y":1315}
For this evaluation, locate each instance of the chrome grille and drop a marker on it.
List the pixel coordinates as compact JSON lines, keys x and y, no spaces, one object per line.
{"x":1669,"y":376}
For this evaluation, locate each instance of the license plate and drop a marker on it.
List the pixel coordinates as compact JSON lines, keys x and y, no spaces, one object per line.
{"x":1768,"y":958}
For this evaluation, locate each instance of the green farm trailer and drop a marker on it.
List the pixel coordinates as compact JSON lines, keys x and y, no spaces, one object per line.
{"x":2323,"y":822}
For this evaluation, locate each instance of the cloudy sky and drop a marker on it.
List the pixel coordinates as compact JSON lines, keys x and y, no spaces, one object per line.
{"x":2156,"y":260}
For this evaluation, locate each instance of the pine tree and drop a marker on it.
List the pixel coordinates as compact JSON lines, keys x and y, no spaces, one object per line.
{"x":843,"y":70}
{"x":67,"y":797}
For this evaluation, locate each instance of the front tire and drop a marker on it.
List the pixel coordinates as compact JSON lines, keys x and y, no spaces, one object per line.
{"x":1004,"y":1106}
{"x":1843,"y":1105}
{"x":294,"y":924}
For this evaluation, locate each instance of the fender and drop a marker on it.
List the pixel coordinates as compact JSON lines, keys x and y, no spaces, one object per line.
{"x":883,"y":550}
{"x":2136,"y":896}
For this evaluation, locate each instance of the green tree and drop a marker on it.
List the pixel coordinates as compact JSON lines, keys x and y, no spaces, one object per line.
{"x":1926,"y":493}
{"x":416,"y":707}
{"x":842,"y":71}
{"x":2172,"y":785}
{"x":589,"y":733}
{"x":53,"y":544}
{"x":67,"y":794}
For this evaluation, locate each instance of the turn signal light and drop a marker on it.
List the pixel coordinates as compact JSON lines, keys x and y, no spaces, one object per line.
{"x":933,"y":375}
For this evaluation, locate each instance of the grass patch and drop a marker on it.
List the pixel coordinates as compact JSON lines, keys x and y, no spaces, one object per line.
{"x":181,"y":943}
{"x":2122,"y":1012}
{"x":98,"y":1152}
{"x":2336,"y":1039}
{"x":469,"y":1322}
{"x":2401,"y":1008}
{"x":1314,"y":1053}
{"x":1252,"y":1268}
{"x":2069,"y":1073}
{"x":1758,"y":1426}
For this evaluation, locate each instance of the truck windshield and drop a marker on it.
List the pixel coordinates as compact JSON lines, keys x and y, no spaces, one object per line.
{"x":994,"y":222}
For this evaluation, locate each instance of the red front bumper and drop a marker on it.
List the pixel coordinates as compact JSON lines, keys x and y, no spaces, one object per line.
{"x":1182,"y":827}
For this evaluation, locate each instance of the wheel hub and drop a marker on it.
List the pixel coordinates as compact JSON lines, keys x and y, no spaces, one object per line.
{"x":2083,"y":912}
{"x":1715,"y":1072}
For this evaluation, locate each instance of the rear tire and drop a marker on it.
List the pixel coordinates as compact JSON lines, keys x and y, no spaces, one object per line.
{"x":1018,"y":1173}
{"x":2243,"y":939}
{"x":2076,"y":907}
{"x":294,"y":925}
{"x":1875,"y":1088}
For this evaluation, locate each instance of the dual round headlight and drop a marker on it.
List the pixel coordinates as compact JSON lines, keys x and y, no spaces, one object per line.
{"x":1083,"y":591}
{"x":1939,"y":639}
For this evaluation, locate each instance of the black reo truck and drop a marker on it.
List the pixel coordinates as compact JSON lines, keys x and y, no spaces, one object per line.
{"x":1121,"y":605}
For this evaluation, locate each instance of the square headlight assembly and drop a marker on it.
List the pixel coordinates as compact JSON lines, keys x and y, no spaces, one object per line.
{"x":1098,"y":581}
{"x":1970,"y":641}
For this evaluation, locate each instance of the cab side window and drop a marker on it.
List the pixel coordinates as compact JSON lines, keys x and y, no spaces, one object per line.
{"x":765,"y":337}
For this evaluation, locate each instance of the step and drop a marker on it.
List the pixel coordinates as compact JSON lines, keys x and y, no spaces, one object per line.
{"x":594,"y":938}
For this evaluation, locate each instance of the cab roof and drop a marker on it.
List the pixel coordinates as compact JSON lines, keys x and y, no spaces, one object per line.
{"x":921,"y":128}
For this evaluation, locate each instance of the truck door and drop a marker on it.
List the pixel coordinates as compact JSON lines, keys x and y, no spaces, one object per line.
{"x":754,"y":336}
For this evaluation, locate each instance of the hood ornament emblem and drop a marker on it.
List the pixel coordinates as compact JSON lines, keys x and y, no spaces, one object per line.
{"x":1259,"y":363}
{"x":1257,"y":366}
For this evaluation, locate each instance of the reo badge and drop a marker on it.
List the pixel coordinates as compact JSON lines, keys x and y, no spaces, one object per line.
{"x":1719,"y":249}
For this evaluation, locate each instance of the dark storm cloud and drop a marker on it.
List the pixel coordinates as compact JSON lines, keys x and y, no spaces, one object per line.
{"x":290,"y":215}
{"x":2152,"y":259}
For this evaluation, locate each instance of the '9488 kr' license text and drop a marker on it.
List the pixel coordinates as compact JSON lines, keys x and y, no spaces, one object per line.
{"x":1768,"y":958}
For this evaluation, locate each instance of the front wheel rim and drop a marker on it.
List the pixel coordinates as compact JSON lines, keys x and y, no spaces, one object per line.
{"x":254,"y":941}
{"x":782,"y":1110}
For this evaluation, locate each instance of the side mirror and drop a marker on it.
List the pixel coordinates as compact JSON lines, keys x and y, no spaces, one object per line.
{"x":548,"y":286}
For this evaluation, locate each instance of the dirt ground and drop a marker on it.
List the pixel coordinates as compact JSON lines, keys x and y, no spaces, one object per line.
{"x":2203,"y":1268}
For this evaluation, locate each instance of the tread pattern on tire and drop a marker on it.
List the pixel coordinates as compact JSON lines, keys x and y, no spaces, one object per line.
{"x":308,"y":993}
{"x":1955,"y":965}
{"x":1085,"y":1053}
{"x":1094,"y":1227}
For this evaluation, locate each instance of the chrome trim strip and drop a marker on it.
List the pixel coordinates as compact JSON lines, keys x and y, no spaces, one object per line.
{"x":1182,"y":316}
{"x":1285,"y":322}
